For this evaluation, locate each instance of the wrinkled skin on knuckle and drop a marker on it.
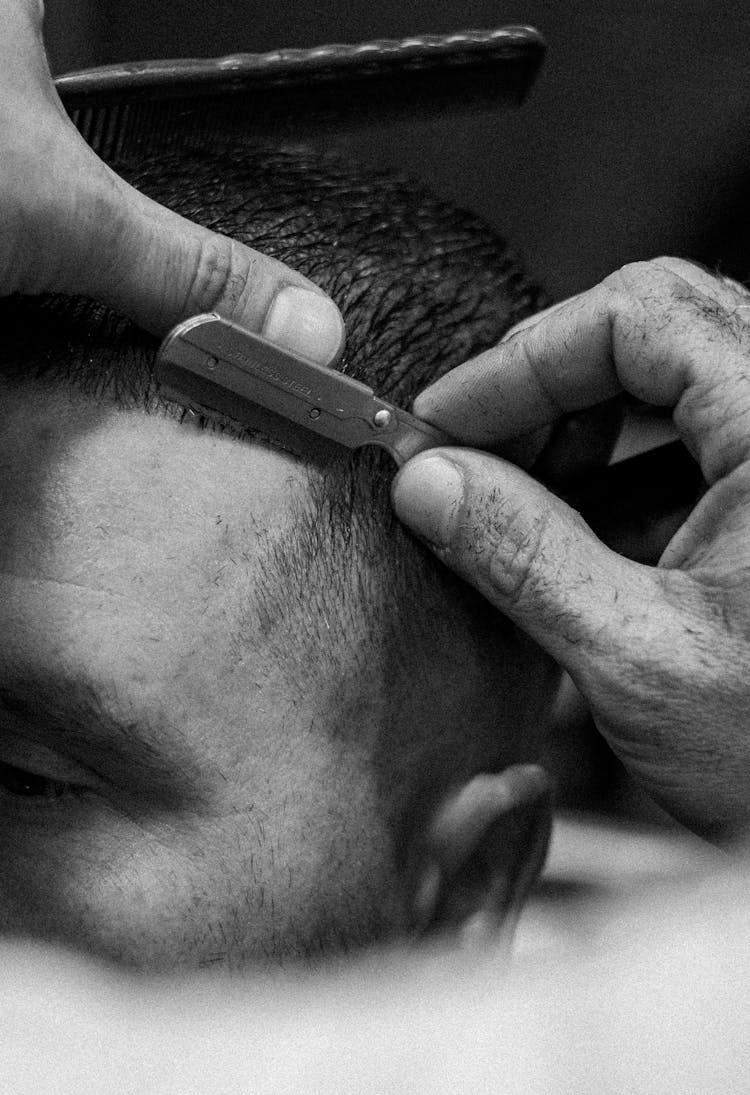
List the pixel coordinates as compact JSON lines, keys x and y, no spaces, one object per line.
{"x":678,"y":331}
{"x":646,"y":280}
{"x":637,"y":311}
{"x":223,"y":274}
{"x":712,"y":299}
{"x":486,"y":523}
{"x":517,"y":556}
{"x":546,"y":394}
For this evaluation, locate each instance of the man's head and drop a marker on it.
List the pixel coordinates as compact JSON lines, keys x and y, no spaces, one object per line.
{"x":232,"y":688}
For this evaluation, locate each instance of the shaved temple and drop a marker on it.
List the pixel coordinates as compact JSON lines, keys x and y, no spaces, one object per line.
{"x":421,"y":288}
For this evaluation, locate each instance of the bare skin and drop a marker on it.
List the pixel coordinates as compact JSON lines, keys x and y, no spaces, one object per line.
{"x":173,"y":794}
{"x":661,"y":654}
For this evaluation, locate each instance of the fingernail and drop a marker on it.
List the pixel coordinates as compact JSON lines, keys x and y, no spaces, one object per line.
{"x":427,"y":495}
{"x":307,"y":323}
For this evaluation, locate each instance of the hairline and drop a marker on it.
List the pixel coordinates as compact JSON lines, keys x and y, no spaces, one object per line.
{"x":334,"y":490}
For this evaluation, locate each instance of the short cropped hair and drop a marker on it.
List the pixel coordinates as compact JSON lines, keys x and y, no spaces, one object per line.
{"x":421,"y":287}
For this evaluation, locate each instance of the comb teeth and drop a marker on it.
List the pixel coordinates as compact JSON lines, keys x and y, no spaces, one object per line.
{"x":147,"y":106}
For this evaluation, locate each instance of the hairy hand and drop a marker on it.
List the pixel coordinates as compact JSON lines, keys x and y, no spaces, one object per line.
{"x":69,"y":224}
{"x":661,"y":654}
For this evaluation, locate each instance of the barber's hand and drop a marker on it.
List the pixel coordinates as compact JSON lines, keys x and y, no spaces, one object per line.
{"x":661,"y":654}
{"x":69,"y":224}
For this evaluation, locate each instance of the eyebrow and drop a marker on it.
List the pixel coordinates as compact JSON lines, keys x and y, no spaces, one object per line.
{"x":127,"y":748}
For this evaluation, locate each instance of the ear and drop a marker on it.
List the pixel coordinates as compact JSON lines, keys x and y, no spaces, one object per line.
{"x":483,"y":848}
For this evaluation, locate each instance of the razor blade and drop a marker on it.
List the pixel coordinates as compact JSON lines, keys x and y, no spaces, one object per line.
{"x":209,"y":365}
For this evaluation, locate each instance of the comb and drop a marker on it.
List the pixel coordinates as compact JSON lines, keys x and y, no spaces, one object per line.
{"x":147,"y":106}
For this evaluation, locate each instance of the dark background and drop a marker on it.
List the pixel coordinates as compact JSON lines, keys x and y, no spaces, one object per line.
{"x":634,"y":142}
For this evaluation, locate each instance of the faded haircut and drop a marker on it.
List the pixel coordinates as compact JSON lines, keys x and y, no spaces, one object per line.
{"x":421,"y":287}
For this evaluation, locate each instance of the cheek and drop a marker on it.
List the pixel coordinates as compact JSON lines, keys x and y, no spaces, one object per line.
{"x":321,"y":832}
{"x":134,"y":894}
{"x":295,"y":864}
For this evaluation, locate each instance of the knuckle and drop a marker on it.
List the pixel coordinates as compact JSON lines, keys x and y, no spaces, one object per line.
{"x":524,"y":354}
{"x":223,"y":275}
{"x":516,"y":559}
{"x":528,"y":570}
{"x":662,"y":278}
{"x":629,"y":280}
{"x":671,"y":321}
{"x":626,"y":292}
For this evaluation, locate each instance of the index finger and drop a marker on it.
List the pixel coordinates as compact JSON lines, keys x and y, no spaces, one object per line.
{"x":667,"y":331}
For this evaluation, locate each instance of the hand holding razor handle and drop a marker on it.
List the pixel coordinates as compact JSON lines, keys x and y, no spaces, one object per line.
{"x":210,"y":364}
{"x":207,"y":364}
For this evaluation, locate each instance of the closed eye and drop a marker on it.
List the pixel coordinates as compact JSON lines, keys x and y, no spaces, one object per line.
{"x":20,"y":783}
{"x":35,"y":777}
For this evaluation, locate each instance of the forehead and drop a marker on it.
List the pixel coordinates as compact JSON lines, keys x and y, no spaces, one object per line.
{"x":78,"y":474}
{"x":128,"y":539}
{"x":74,"y":468}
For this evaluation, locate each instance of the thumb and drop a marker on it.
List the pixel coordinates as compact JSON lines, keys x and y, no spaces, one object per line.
{"x":529,"y":554}
{"x":71,"y":225}
{"x":160,"y":268}
{"x":659,"y":653}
